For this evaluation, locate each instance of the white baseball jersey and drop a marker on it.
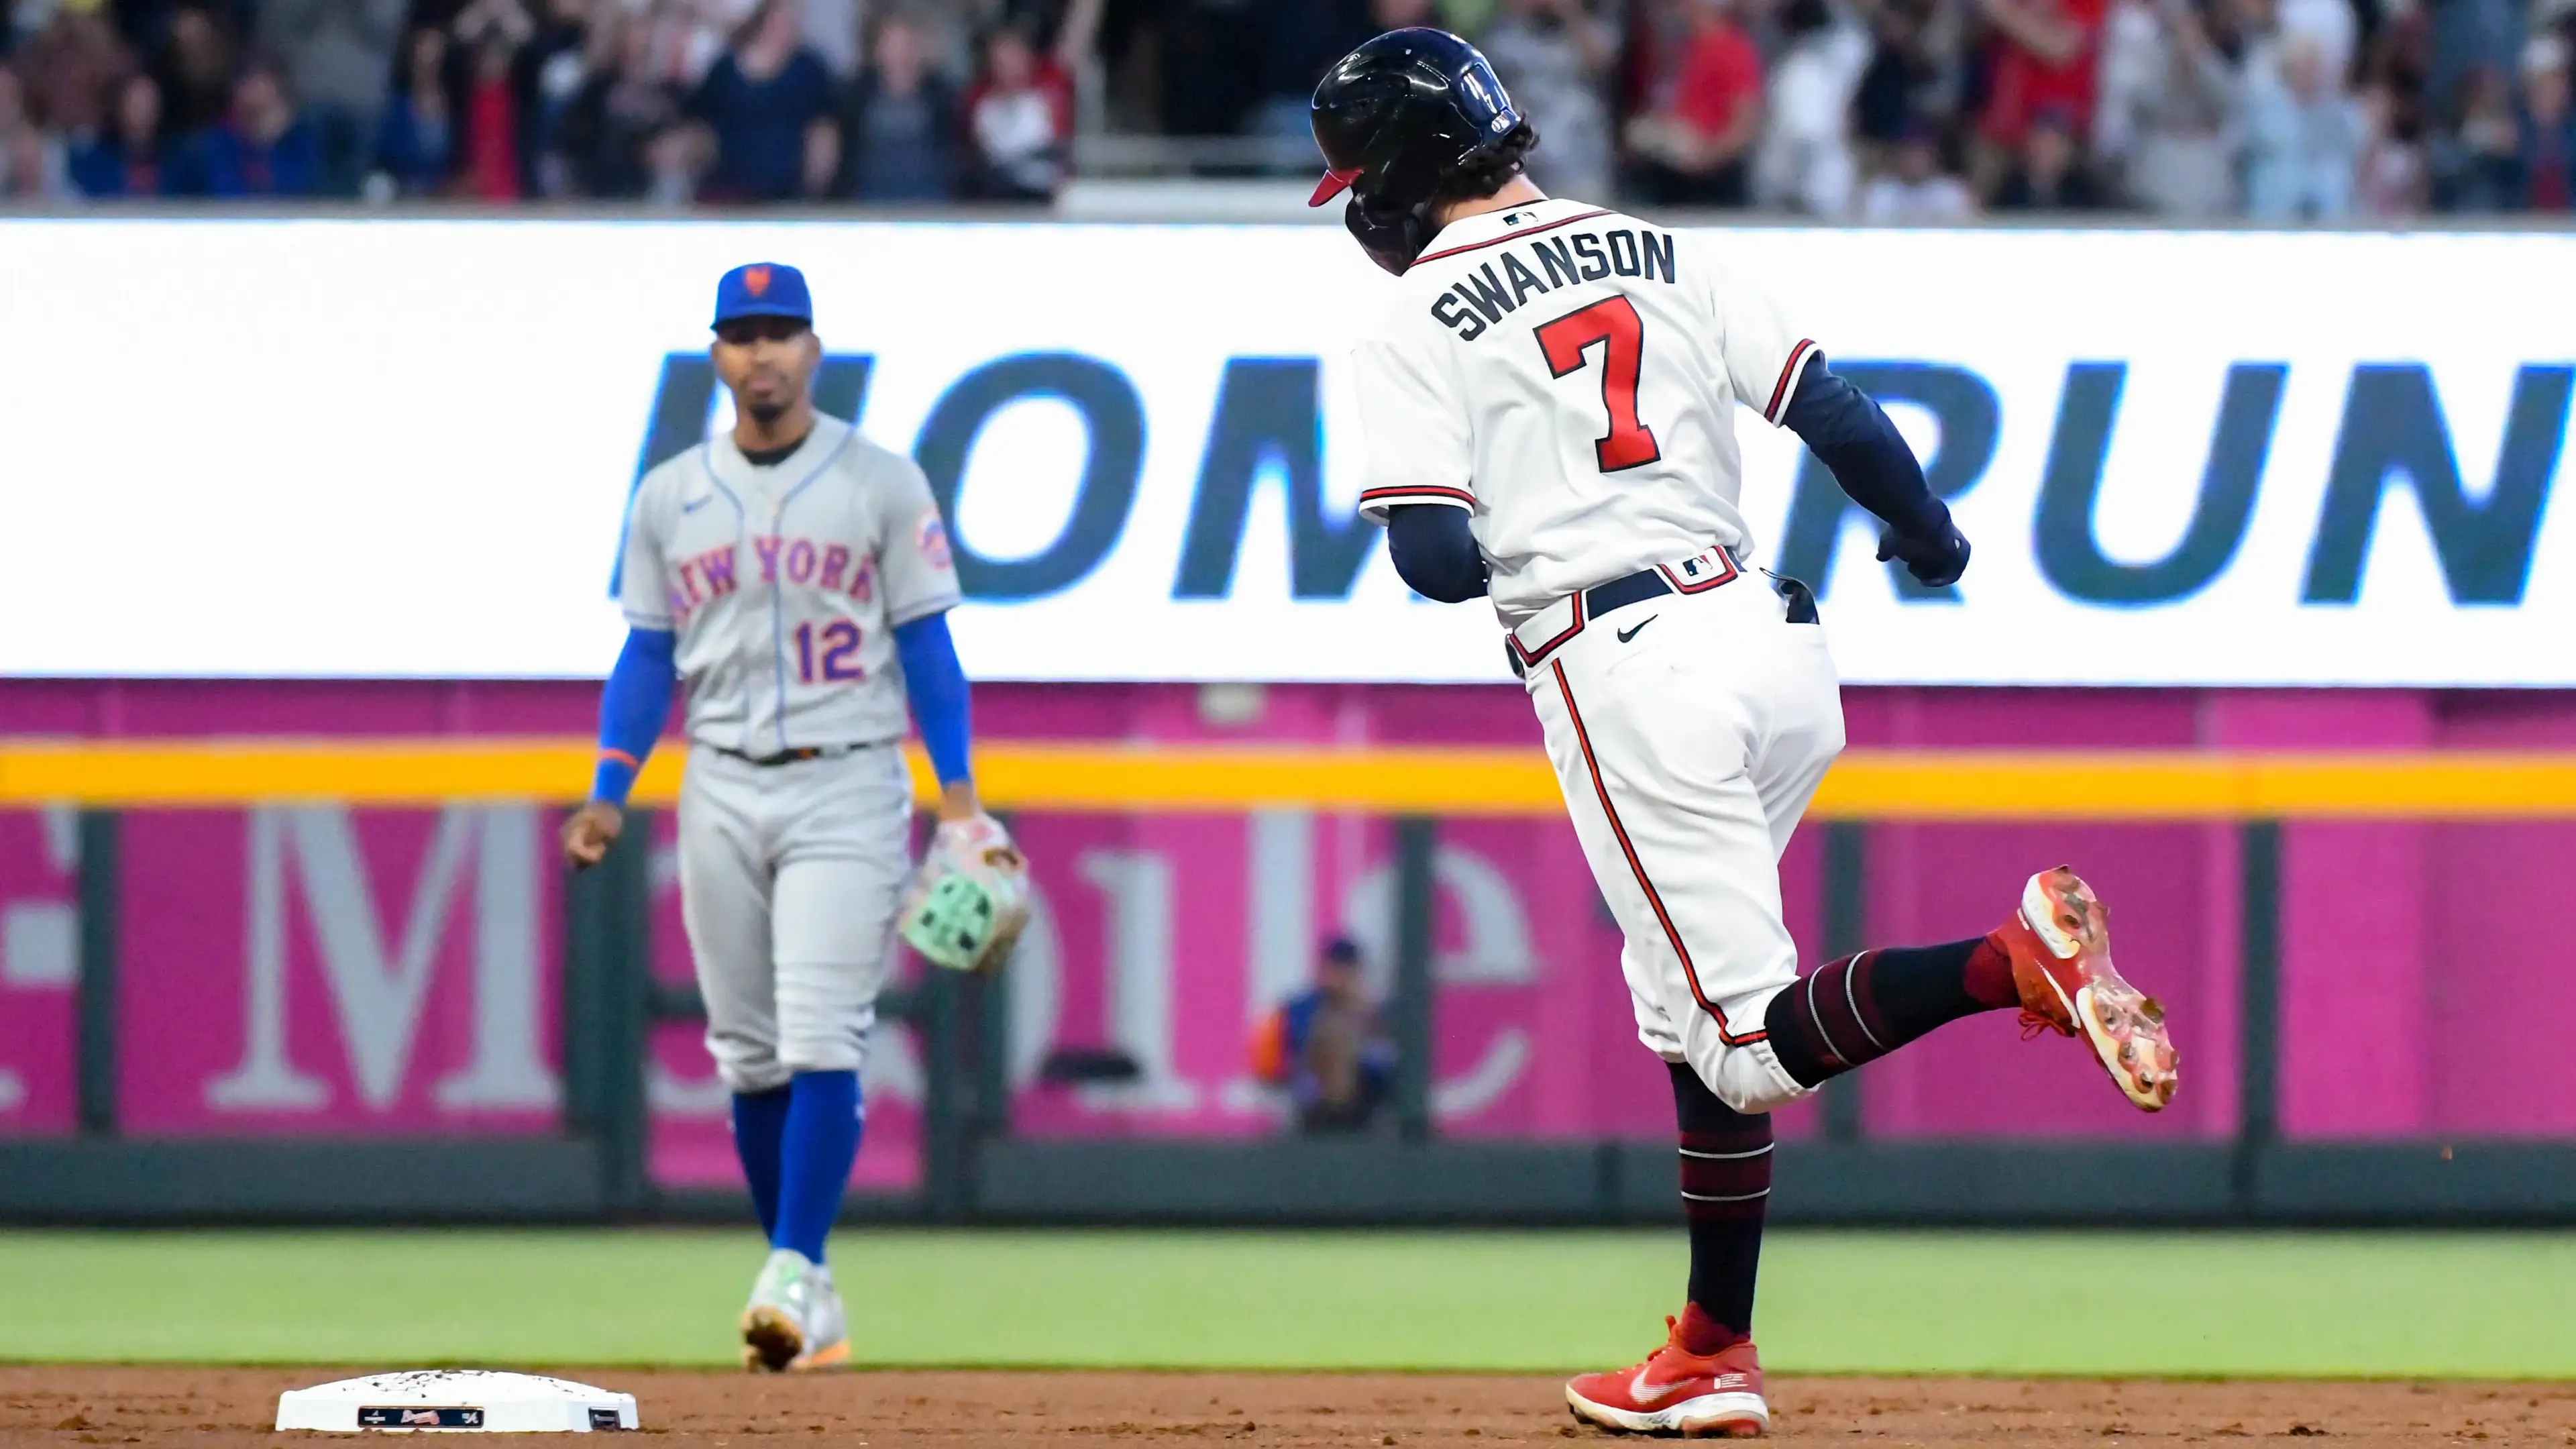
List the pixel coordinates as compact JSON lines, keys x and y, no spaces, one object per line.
{"x":785,"y":585}
{"x":1569,"y":374}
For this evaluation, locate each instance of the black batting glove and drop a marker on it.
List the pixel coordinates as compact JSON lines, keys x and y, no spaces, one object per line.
{"x":1936,"y":556}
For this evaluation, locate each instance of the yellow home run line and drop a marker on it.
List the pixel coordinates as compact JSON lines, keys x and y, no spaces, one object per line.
{"x":1118,"y":777}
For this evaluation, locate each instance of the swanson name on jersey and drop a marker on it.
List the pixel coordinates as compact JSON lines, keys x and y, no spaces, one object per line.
{"x":1544,"y":263}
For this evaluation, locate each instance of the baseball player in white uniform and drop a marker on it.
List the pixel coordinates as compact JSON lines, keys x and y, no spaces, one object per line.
{"x":797,"y":577}
{"x":1550,"y":401}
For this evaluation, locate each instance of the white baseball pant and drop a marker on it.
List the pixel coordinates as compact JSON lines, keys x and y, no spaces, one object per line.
{"x":790,"y":876}
{"x":1687,"y":751}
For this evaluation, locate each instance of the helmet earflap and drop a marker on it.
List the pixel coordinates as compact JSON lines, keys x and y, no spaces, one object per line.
{"x":1408,"y":118}
{"x":1393,"y":237}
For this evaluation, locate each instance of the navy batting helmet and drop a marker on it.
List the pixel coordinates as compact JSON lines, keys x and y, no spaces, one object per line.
{"x":1409,"y":119}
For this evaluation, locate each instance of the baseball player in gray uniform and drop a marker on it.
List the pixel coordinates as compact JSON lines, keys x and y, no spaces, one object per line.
{"x":797,"y":578}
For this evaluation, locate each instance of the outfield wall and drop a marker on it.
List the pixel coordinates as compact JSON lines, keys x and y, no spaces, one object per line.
{"x":284,"y":972}
{"x":301,"y":475}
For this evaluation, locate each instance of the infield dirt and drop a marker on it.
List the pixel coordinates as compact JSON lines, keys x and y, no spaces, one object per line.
{"x":220,"y":1407}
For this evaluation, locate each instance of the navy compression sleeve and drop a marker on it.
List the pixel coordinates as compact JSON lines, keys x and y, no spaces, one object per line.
{"x":1864,"y":452}
{"x":936,"y":684}
{"x":1434,"y":552}
{"x":631,"y":710}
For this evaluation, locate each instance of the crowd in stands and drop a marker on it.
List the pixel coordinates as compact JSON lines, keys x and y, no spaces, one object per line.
{"x":496,"y":101}
{"x":1916,"y":111}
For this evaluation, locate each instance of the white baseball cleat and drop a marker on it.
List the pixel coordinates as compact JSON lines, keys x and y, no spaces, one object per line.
{"x":827,"y":1327}
{"x":775,"y":1322}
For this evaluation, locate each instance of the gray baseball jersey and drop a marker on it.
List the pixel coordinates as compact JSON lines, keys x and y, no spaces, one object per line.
{"x":785,"y":586}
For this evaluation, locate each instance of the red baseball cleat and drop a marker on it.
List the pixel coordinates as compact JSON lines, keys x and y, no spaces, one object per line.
{"x":2060,"y":943}
{"x":1717,"y":1396}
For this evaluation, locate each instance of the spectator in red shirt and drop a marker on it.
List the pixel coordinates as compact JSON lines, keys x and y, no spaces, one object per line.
{"x":1019,"y":113}
{"x":2042,"y":57}
{"x":490,"y":135}
{"x":1021,"y":116}
{"x":1691,"y":143}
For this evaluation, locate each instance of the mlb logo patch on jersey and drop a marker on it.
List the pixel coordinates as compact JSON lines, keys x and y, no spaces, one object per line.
{"x":932,"y":539}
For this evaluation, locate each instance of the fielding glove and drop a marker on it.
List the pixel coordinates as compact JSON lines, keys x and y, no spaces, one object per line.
{"x":970,"y":899}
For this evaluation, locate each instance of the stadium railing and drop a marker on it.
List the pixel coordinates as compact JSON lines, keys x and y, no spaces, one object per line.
{"x":974,"y":1168}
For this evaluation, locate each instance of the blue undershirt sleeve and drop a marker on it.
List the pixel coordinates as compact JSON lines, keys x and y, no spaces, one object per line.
{"x":936,"y":684}
{"x":632,"y":707}
{"x":1434,"y":551}
{"x":1855,"y":441}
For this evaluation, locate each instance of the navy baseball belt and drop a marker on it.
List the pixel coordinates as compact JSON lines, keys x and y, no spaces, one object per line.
{"x":1544,"y":632}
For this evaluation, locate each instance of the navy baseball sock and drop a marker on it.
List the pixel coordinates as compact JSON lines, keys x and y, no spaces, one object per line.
{"x":822,"y":1141}
{"x":1726,"y":1187}
{"x":759,"y":1131}
{"x":1856,"y":1010}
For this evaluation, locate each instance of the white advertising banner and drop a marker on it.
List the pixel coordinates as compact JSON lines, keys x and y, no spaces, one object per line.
{"x":402,"y":448}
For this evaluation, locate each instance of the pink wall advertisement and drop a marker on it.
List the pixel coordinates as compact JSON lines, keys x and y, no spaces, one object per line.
{"x":323,"y":970}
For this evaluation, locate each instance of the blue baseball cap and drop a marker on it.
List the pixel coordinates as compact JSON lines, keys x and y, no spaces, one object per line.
{"x":763,"y":289}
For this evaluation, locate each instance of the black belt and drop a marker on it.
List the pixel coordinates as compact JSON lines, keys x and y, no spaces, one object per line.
{"x":789,"y":757}
{"x":1648,"y":583}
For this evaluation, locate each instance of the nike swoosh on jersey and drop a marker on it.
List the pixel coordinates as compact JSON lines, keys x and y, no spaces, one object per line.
{"x":694,"y":504}
{"x":1627,"y":634}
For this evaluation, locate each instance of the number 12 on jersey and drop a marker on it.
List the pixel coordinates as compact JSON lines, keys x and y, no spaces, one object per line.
{"x":1613,"y":325}
{"x":838,"y":658}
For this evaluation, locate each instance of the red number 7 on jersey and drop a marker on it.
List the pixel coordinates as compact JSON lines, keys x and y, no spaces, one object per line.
{"x":1615,"y":322}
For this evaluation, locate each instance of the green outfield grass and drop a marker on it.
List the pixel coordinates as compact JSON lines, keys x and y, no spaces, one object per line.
{"x":2374,"y":1305}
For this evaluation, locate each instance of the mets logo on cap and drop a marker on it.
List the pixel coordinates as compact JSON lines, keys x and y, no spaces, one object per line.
{"x":763,"y":289}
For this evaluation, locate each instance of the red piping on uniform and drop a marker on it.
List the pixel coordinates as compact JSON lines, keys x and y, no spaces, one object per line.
{"x":1601,"y":787}
{"x":1530,"y":657}
{"x":1780,"y":391}
{"x":1511,"y":236}
{"x":1425,"y":491}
